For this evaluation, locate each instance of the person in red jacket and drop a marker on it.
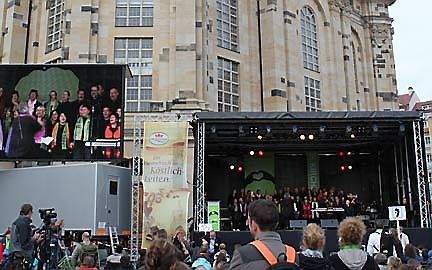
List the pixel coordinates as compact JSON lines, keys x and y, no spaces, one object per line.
{"x":112,"y":130}
{"x":307,"y":209}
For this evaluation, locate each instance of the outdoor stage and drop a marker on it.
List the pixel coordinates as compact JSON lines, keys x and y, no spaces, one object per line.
{"x":301,"y":149}
{"x":417,"y":236}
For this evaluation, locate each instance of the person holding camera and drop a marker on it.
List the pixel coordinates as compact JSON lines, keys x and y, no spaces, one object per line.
{"x":22,"y":243}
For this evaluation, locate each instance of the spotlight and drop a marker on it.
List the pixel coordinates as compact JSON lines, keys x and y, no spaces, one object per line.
{"x":251,"y":153}
{"x":213,"y":129}
{"x":302,"y":137}
{"x":352,"y":136}
{"x":348,"y":128}
{"x":232,"y":167}
{"x":311,"y":137}
{"x":240,"y":168}
{"x":342,"y":168}
{"x":259,"y":137}
{"x":350,"y":167}
{"x":260,"y":153}
{"x":253,"y":130}
{"x":294,"y":129}
{"x":341,"y":154}
{"x":349,"y":153}
{"x":402,"y":128}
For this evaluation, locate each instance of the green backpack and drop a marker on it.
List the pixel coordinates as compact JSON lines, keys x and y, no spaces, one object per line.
{"x":89,"y":251}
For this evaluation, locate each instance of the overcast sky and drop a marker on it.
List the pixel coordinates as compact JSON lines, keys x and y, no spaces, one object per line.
{"x":413,"y":46}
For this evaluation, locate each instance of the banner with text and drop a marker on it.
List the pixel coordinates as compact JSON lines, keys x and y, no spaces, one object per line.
{"x":313,"y":170}
{"x":213,"y":210}
{"x":166,"y":192}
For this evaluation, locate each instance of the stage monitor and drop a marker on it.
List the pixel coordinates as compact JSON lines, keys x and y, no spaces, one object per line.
{"x":62,"y":112}
{"x":329,"y":223}
{"x":298,"y":224}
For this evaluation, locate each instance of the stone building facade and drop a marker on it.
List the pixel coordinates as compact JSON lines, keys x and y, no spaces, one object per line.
{"x":218,"y":55}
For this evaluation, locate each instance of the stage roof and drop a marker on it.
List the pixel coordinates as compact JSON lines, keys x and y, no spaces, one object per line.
{"x":312,"y":116}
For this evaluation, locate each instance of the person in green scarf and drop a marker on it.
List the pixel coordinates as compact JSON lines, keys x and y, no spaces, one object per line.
{"x":82,"y":134}
{"x":51,"y":104}
{"x":61,"y":135}
{"x":351,"y":256}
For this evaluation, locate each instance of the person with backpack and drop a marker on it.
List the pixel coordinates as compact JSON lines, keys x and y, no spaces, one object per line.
{"x":311,"y":258}
{"x":85,"y":249}
{"x":351,"y":257}
{"x":267,"y":251}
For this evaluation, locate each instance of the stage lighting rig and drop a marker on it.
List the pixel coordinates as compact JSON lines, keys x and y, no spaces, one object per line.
{"x":259,"y":137}
{"x":302,"y":137}
{"x":232,"y":167}
{"x":252,"y":152}
{"x":311,"y":137}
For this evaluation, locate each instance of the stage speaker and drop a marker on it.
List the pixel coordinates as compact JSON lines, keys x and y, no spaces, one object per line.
{"x":329,"y":223}
{"x":298,"y":224}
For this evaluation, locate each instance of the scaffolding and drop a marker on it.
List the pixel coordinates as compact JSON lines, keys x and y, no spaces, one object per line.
{"x":421,"y":175}
{"x":199,"y":215}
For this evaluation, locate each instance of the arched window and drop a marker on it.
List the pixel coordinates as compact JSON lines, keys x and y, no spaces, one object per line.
{"x":309,"y":38}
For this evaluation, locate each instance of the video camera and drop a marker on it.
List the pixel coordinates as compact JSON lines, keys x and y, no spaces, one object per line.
{"x":48,"y":215}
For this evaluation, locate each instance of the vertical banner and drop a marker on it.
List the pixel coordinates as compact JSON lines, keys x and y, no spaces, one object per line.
{"x":313,"y":170}
{"x":166,"y":192}
{"x":213,"y":212}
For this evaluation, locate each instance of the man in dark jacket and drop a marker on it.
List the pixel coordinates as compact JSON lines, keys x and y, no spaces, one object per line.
{"x":263,"y":219}
{"x":23,"y":129}
{"x":22,"y":243}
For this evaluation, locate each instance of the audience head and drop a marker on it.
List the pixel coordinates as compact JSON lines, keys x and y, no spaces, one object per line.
{"x":380,"y":259}
{"x":26,"y":210}
{"x":162,"y":255}
{"x":94,"y":92}
{"x":393,"y":263}
{"x":85,"y":237}
{"x":53,"y":95}
{"x":313,"y":237}
{"x":33,"y":95}
{"x":23,"y":108}
{"x":414,"y":264}
{"x":114,"y":93}
{"x":66,"y":96}
{"x":410,"y":251}
{"x":88,"y":261}
{"x":263,"y":216}
{"x":63,"y":118}
{"x":351,"y":231}
{"x":81,"y":95}
{"x":212,"y":234}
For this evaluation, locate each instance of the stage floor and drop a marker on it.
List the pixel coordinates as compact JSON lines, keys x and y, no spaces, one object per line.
{"x":417,"y":236}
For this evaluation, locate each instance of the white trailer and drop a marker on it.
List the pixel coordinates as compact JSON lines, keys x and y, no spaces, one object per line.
{"x":88,"y":196}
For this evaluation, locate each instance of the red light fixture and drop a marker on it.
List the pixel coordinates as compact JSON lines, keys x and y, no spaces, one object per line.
{"x":240,"y":168}
{"x":260,"y":153}
{"x":343,"y":168}
{"x":341,"y":154}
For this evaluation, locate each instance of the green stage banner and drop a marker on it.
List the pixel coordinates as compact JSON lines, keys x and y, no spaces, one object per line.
{"x":213,"y":215}
{"x":313,"y":170}
{"x":166,"y":192}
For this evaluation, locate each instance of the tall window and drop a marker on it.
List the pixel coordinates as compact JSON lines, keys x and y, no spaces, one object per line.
{"x":134,"y":13}
{"x":312,"y":94}
{"x":227,"y":24}
{"x":228,"y":86}
{"x":309,"y":39}
{"x":55,"y":24}
{"x":137,"y":52}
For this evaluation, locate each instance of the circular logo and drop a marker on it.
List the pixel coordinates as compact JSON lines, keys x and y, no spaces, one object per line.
{"x":158,"y":138}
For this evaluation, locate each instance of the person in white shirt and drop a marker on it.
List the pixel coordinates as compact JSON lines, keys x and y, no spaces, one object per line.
{"x":374,"y":242}
{"x":404,"y":239}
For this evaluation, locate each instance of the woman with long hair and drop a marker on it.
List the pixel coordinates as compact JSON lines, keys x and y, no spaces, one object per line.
{"x":313,"y":245}
{"x":61,"y":134}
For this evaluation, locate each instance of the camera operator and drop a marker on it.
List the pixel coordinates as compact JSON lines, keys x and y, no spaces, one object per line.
{"x":84,"y":249}
{"x":22,"y":243}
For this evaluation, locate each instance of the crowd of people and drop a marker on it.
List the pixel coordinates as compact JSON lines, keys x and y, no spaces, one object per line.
{"x":296,"y":203}
{"x":25,"y":124}
{"x":384,"y":249}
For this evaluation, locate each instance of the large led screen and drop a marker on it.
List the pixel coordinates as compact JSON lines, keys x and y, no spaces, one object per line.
{"x":61,"y":112}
